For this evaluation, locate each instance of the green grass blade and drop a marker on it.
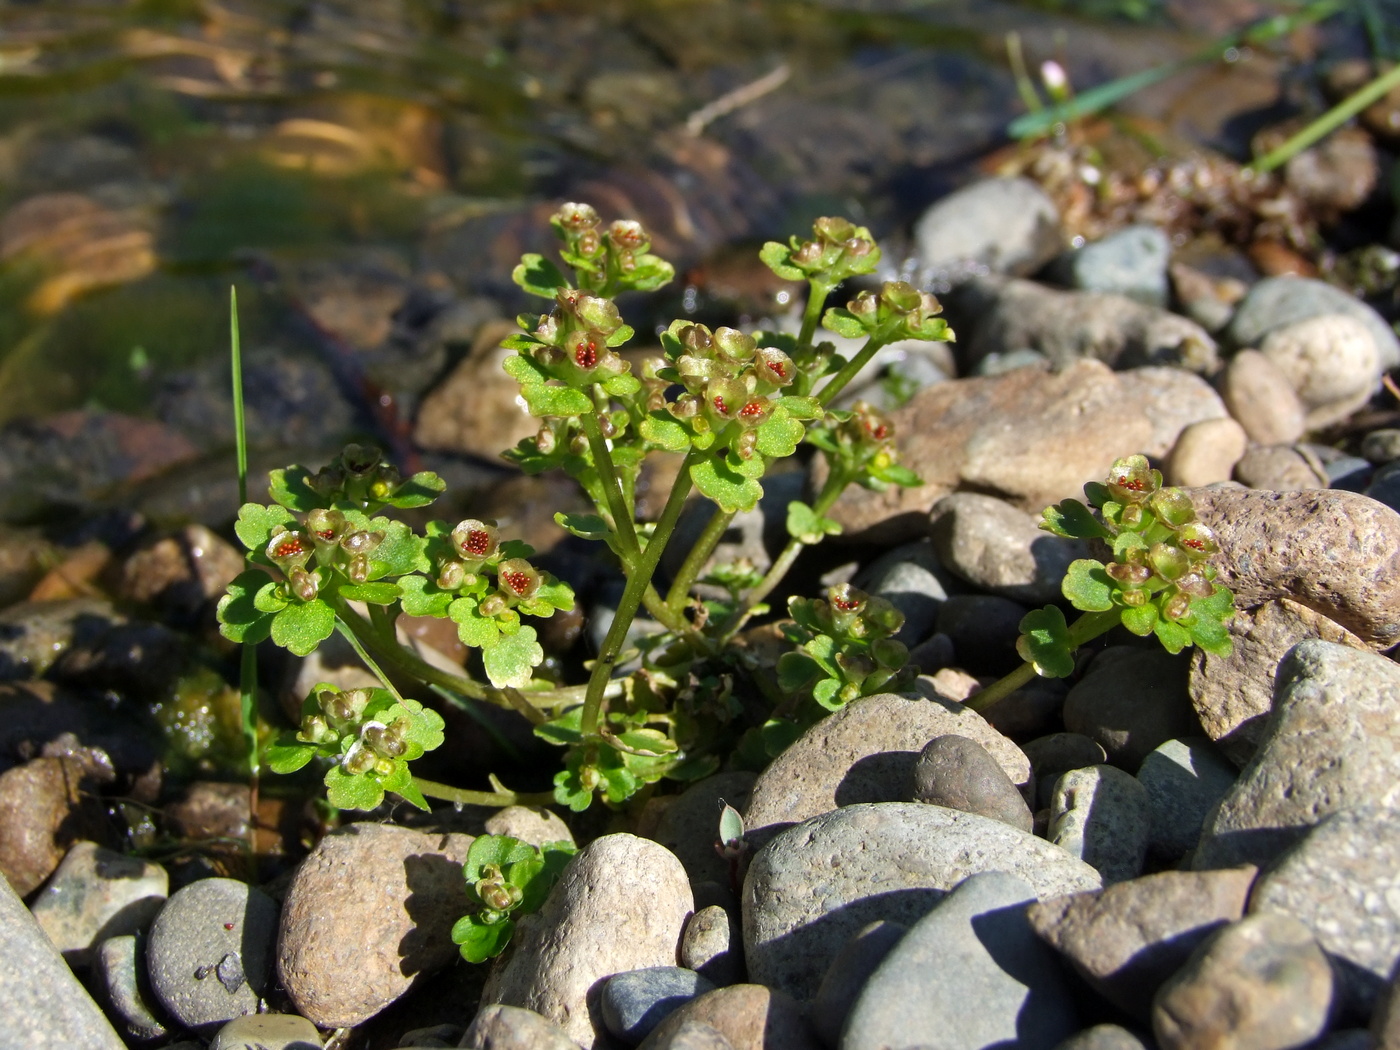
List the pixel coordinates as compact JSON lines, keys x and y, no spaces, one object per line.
{"x":240,"y":427}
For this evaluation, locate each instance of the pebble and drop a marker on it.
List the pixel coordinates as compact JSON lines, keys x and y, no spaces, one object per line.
{"x":863,"y":753}
{"x":210,"y":952}
{"x":1206,"y":452}
{"x":533,"y":824}
{"x":815,"y":885}
{"x":1058,"y":753}
{"x":1384,"y":486}
{"x":1233,"y":695}
{"x":1262,"y":982}
{"x":1101,"y":815}
{"x":209,"y":809}
{"x":1031,"y":437}
{"x":1385,"y":1021}
{"x":1331,"y":362}
{"x":1002,"y":225}
{"x":1104,"y":1037}
{"x":1126,"y":940}
{"x":1381,"y":446}
{"x":1184,"y":779}
{"x":1130,"y":700}
{"x":267,"y":1032}
{"x":97,"y":893}
{"x":368,"y":912}
{"x":119,"y":972}
{"x":591,"y":928}
{"x":710,"y":945}
{"x":993,"y":315}
{"x":958,"y":773}
{"x":500,"y":1027}
{"x":695,"y":1035}
{"x":1333,"y":742}
{"x":747,"y":1016}
{"x":969,"y":974}
{"x":1131,"y":262}
{"x":635,"y":1002}
{"x":1279,"y":468}
{"x":998,"y":548}
{"x":1343,"y":882}
{"x":1278,"y":301}
{"x":45,"y":813}
{"x":689,"y":827}
{"x":476,"y":408}
{"x":43,"y":1005}
{"x":1263,"y":401}
{"x":912,"y":579}
{"x":1337,"y":174}
{"x":846,"y":976}
{"x":1336,"y":552}
{"x":983,"y":629}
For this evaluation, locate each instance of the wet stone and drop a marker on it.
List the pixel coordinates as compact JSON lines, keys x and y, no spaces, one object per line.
{"x":97,"y":893}
{"x":210,"y":952}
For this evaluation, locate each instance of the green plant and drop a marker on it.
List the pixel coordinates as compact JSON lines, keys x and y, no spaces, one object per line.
{"x":1159,"y":579}
{"x":506,"y":878}
{"x":730,"y":403}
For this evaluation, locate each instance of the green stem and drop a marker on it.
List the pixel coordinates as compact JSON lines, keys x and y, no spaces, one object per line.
{"x":836,"y":483}
{"x":407,"y":662}
{"x":637,"y":583}
{"x":463,"y":797}
{"x":812,"y":314}
{"x":1086,"y":628}
{"x":1329,"y":121}
{"x":848,"y":372}
{"x":698,"y":556}
{"x":612,"y":486}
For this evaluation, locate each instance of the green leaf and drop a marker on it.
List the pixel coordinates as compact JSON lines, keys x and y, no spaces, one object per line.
{"x":565,"y":730}
{"x":545,"y":401}
{"x":255,"y":524}
{"x":288,"y":754}
{"x":624,"y":385}
{"x":777,"y":257}
{"x":620,"y":335}
{"x":344,"y":791}
{"x":801,"y":407}
{"x":1044,"y":642}
{"x":731,"y":491}
{"x":1087,"y":586}
{"x":662,"y":429}
{"x":1140,"y":619}
{"x":288,"y":486}
{"x":1073,"y":520}
{"x":513,"y":659}
{"x":651,"y":273}
{"x":479,"y":941}
{"x":779,"y":434}
{"x":806,"y":526}
{"x":897,"y":474}
{"x":271,"y":597}
{"x":373,"y":593}
{"x":1173,"y":636}
{"x":538,"y":276}
{"x":796,"y":671}
{"x":553,"y":594}
{"x":841,"y":321}
{"x":500,"y":850}
{"x":569,"y":792}
{"x":418,"y":491}
{"x":425,"y":725}
{"x":239,"y":614}
{"x":422,"y":597}
{"x":825,"y":693}
{"x":1126,"y":541}
{"x":556,"y":857}
{"x":401,"y":551}
{"x":475,"y":630}
{"x":302,"y":626}
{"x":778,"y":734}
{"x":585,"y":526}
{"x":652,"y":741}
{"x":823,"y":649}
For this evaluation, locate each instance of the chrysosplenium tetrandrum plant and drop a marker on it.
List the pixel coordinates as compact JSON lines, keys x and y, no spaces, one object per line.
{"x":326,"y":554}
{"x":1159,"y":581}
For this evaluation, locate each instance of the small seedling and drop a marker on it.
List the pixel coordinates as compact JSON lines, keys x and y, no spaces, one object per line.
{"x":506,"y":878}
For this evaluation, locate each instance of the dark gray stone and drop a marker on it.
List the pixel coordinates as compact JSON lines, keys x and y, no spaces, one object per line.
{"x":1131,"y":261}
{"x":956,"y":772}
{"x":635,"y":1002}
{"x":1130,"y":701}
{"x":1184,"y":779}
{"x":846,"y":976}
{"x":1105,"y":1037}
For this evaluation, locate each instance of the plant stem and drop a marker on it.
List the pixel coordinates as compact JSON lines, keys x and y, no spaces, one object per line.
{"x":848,"y":372}
{"x":698,"y":556}
{"x":612,"y":487}
{"x":1086,"y":628}
{"x":637,"y":583}
{"x":812,"y":313}
{"x":1329,"y":121}
{"x":463,"y":797}
{"x":407,"y":662}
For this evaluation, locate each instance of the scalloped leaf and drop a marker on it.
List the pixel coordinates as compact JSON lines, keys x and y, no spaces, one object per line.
{"x":1073,"y":520}
{"x":302,"y":626}
{"x":538,"y":276}
{"x":826,"y":692}
{"x":425,"y":725}
{"x":779,"y":434}
{"x":288,"y":486}
{"x":346,"y":791}
{"x":1173,"y":636}
{"x":650,"y":273}
{"x":797,"y":671}
{"x":411,"y":793}
{"x":546,"y":400}
{"x":500,"y":850}
{"x":371,"y":593}
{"x":624,"y":385}
{"x":1128,"y":540}
{"x":512,"y":660}
{"x":420,"y":596}
{"x":584,"y":526}
{"x":565,"y":730}
{"x":800,"y":407}
{"x":418,"y":491}
{"x":1141,"y":619}
{"x":255,"y":524}
{"x":1044,"y":642}
{"x":664,"y":431}
{"x":400,"y":552}
{"x":287,"y":754}
{"x":479,"y":941}
{"x":778,"y":258}
{"x":806,"y":526}
{"x":1087,"y":586}
{"x":239,"y":613}
{"x":844,"y":323}
{"x":475,"y":630}
{"x":731,"y":491}
{"x":620,"y":335}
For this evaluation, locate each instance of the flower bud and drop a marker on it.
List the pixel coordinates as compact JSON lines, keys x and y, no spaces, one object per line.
{"x":865,"y":307}
{"x":734,"y":345}
{"x":1172,"y":507}
{"x":589,"y":778}
{"x":518,"y":578}
{"x":1168,"y":561}
{"x":289,"y":549}
{"x":900,"y":296}
{"x":360,"y":460}
{"x":889,"y":653}
{"x":327,"y":528}
{"x":545,"y":441}
{"x":589,"y":244}
{"x":385,"y":741}
{"x":596,"y":312}
{"x":451,"y":575}
{"x":1128,"y":574}
{"x":745,"y":444}
{"x":856,"y":665}
{"x":607,"y":427}
{"x":359,"y":759}
{"x":696,"y":339}
{"x":315,"y":730}
{"x":833,"y":229}
{"x":755,"y":411}
{"x":1177,"y":606}
{"x":628,"y":235}
{"x":1196,"y":584}
{"x":576,"y":217}
{"x":846,"y":599}
{"x":808,"y":256}
{"x":725,"y":397}
{"x":343,"y":706}
{"x":1132,"y":480}
{"x":1133,"y":598}
{"x":772,"y":366}
{"x":304,"y":584}
{"x":1197,"y":540}
{"x":386,"y":481}
{"x":361,"y":542}
{"x":357,"y":568}
{"x":492,"y":605}
{"x":475,"y":541}
{"x":881,"y":615}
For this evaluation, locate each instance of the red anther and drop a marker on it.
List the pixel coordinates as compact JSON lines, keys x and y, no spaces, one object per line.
{"x":749,"y":411}
{"x":519,"y":582}
{"x":719,"y":405}
{"x":878,"y":431}
{"x":779,"y":369}
{"x":1195,"y":545}
{"x":1132,"y":485}
{"x":845,"y":604}
{"x":326,"y":534}
{"x":586,"y":354}
{"x":288,"y":548}
{"x":477,"y":543}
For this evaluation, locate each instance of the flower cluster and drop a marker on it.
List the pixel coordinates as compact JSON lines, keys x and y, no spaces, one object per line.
{"x":845,"y":646}
{"x":336,"y":545}
{"x":897,"y":311}
{"x":837,"y":250}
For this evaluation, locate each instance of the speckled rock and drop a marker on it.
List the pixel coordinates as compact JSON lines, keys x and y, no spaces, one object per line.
{"x":1031,"y":437}
{"x":956,"y":772}
{"x":864,"y":753}
{"x":534,"y":825}
{"x":1234,"y":694}
{"x":1332,"y":742}
{"x":1101,"y":815}
{"x":591,"y":928}
{"x":1262,"y":982}
{"x":894,"y":861}
{"x":1279,"y":468}
{"x":1336,"y":552}
{"x":43,"y":1005}
{"x":267,"y":1032}
{"x":1129,"y":938}
{"x":1331,"y":361}
{"x":967,"y":975}
{"x":983,"y":629}
{"x":1104,"y":1037}
{"x":1278,"y":301}
{"x":368,"y":912}
{"x":1343,"y":882}
{"x":846,"y":976}
{"x":1262,"y":400}
{"x":1206,"y":452}
{"x":210,"y":952}
{"x":999,"y":548}
{"x":97,"y":893}
{"x":1184,"y":779}
{"x":710,"y":945}
{"x":119,"y":977}
{"x":500,"y":1027}
{"x":749,"y":1016}
{"x":1130,"y":701}
{"x":1006,"y":225}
